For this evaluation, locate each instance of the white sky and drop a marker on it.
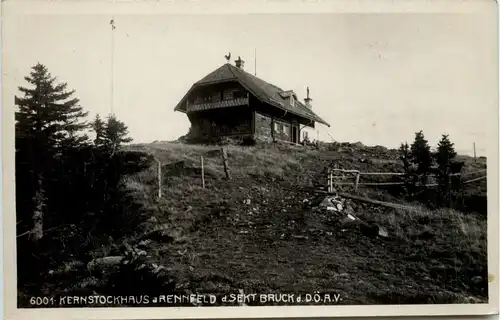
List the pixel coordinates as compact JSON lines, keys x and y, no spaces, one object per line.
{"x":376,"y":78}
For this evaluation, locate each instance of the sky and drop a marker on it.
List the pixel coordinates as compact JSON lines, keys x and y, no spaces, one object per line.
{"x":375,"y":77}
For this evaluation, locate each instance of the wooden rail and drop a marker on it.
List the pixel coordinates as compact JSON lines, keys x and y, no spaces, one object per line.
{"x":382,"y":174}
{"x":476,"y":179}
{"x":159,"y":177}
{"x":202,"y":173}
{"x":357,"y":174}
{"x":474,"y":172}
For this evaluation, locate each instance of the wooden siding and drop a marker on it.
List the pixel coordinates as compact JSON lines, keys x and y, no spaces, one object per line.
{"x":263,"y":127}
{"x":217,"y":105}
{"x":216,"y":93}
{"x":269,"y":128}
{"x":227,"y":110}
{"x":221,"y":123}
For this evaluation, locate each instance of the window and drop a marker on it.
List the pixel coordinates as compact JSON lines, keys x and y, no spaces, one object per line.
{"x":279,"y":127}
{"x":216,"y":96}
{"x":305,"y":135}
{"x":239,"y":94}
{"x":286,"y":129}
{"x":227,"y":95}
{"x":292,"y":100}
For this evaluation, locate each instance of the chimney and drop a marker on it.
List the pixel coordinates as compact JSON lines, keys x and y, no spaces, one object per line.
{"x":239,"y":63}
{"x":308,"y":100}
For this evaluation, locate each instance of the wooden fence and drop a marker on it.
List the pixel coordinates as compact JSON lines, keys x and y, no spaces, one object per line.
{"x":357,"y":174}
{"x":225,"y":163}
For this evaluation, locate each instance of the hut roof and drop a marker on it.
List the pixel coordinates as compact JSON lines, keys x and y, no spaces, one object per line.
{"x":264,"y":91}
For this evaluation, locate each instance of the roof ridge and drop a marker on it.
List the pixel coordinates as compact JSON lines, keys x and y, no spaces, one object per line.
{"x":253,"y":76}
{"x":231,"y":70}
{"x":204,"y":79}
{"x":262,"y":89}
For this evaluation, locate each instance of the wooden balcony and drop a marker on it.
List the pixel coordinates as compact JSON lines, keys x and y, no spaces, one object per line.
{"x":217,"y":104}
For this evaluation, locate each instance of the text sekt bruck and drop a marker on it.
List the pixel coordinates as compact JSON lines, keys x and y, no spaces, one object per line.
{"x":286,"y":298}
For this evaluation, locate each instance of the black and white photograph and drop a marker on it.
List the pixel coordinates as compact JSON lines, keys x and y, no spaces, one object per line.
{"x":180,"y":157}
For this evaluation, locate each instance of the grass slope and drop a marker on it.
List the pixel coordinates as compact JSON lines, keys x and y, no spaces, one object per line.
{"x":262,"y":231}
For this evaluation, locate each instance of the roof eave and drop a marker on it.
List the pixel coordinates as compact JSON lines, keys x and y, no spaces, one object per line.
{"x":196,"y":85}
{"x":242,"y":83}
{"x":199,"y":84}
{"x":323,"y":122}
{"x":285,"y":109}
{"x":178,"y":106}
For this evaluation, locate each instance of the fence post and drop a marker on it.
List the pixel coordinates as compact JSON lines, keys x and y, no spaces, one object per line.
{"x":226,"y":166}
{"x":330,"y":181}
{"x":449,"y":189}
{"x":202,"y":173}
{"x":356,"y":182}
{"x":159,"y":178}
{"x":474,"y":146}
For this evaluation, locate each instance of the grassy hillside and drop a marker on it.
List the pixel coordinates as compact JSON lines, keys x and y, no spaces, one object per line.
{"x":263,"y":231}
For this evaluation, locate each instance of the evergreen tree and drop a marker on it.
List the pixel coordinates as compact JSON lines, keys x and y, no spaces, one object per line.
{"x":115,"y":133}
{"x":49,"y":110}
{"x":404,"y":151}
{"x":410,"y":178}
{"x":421,"y":154}
{"x":62,"y":178}
{"x":445,"y":153}
{"x":99,"y":128}
{"x":48,"y":124}
{"x":108,"y":168}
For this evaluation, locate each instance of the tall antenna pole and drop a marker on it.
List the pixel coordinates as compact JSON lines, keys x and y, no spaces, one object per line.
{"x":255,"y":60}
{"x":112,"y":22}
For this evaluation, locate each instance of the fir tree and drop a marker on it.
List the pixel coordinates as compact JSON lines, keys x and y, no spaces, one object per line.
{"x":50,"y":111}
{"x":410,"y":178}
{"x":421,"y":154}
{"x":445,"y":153}
{"x":404,"y":151}
{"x":48,"y":124}
{"x":116,"y":134}
{"x":99,"y":128}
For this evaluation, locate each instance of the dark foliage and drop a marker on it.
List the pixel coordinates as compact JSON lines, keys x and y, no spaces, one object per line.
{"x":69,"y":192}
{"x":446,"y":190}
{"x":444,"y":156}
{"x":411,"y":176}
{"x":421,"y":154}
